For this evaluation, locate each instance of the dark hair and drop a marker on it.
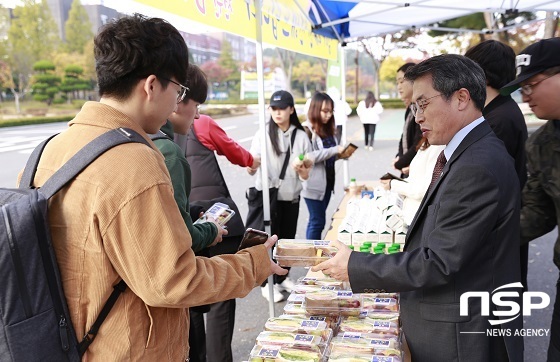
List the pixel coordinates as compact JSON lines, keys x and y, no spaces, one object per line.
{"x":451,"y":72}
{"x":135,"y":47}
{"x":273,"y":130}
{"x":405,"y":67}
{"x":496,"y":59}
{"x":323,"y":130}
{"x":197,"y":83}
{"x":370,"y":100}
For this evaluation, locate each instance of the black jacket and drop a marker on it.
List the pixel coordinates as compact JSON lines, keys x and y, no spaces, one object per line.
{"x":508,"y":123}
{"x":413,"y":136}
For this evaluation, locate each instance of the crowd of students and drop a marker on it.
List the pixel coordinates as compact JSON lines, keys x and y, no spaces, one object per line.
{"x":137,"y":224}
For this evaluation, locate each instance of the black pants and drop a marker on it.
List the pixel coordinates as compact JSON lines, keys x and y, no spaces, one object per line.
{"x":285,"y":226}
{"x":213,"y":341}
{"x":554,"y":344}
{"x":369,"y":134}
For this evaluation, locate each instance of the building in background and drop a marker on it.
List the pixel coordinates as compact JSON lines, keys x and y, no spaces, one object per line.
{"x":203,"y":48}
{"x":100,"y":15}
{"x":242,"y":50}
{"x":59,"y":10}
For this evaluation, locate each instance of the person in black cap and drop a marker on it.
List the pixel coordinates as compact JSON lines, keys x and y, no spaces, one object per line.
{"x":538,"y":76}
{"x":284,"y":211}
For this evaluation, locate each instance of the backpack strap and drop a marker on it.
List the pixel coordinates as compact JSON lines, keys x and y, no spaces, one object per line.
{"x":287,"y":158}
{"x":28,"y":175}
{"x":86,"y":156}
{"x":90,"y":335}
{"x":160,"y":135}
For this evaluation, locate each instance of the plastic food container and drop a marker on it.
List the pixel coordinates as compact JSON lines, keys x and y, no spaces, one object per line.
{"x":300,"y":325}
{"x":370,"y":326}
{"x":342,"y":302}
{"x":357,"y":343}
{"x":380,"y":304}
{"x":287,"y":338}
{"x":271,"y":353}
{"x":301,"y":252}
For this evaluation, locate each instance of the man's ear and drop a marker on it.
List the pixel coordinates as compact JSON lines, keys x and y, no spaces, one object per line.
{"x":463,"y":97}
{"x":148,"y":86}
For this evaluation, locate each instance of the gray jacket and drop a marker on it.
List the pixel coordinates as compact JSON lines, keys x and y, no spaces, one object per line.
{"x":315,"y":186}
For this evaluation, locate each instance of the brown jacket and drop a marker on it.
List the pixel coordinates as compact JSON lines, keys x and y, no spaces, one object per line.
{"x":118,"y":219}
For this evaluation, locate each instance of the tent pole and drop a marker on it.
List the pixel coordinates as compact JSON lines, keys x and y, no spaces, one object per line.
{"x":345,"y":165}
{"x":263,"y":135}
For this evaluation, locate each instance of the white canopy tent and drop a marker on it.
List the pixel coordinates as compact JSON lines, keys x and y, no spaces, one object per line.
{"x":347,"y":20}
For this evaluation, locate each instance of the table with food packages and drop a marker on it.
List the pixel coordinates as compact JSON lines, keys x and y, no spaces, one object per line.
{"x":323,"y":319}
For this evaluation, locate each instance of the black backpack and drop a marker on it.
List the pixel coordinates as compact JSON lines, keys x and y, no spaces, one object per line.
{"x":34,"y":318}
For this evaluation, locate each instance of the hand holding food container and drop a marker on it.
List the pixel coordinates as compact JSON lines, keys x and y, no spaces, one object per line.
{"x":337,"y":266}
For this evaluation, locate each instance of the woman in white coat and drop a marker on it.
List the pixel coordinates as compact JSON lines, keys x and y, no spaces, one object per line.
{"x":369,"y":110}
{"x":418,"y":181}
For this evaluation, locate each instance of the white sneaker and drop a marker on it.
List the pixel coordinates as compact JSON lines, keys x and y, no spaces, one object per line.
{"x":287,"y":285}
{"x":276,"y":293}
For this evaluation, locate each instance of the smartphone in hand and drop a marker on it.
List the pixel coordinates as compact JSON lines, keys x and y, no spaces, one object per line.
{"x":348,"y":151}
{"x":390,"y":176}
{"x":253,"y":237}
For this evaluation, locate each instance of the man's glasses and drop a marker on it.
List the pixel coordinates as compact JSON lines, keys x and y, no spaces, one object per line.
{"x":527,"y":89}
{"x":421,"y":104}
{"x":180,"y":93}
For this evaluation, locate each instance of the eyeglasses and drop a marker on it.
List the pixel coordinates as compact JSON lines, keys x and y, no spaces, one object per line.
{"x":421,"y":104}
{"x":527,"y":89}
{"x":180,"y":93}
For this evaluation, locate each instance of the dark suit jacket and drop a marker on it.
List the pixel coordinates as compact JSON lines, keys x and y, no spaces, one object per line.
{"x":459,"y":241}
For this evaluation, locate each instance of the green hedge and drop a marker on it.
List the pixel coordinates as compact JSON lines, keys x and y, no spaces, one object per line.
{"x":33,"y":120}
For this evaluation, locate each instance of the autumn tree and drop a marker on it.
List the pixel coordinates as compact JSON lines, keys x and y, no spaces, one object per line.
{"x":78,"y":28}
{"x":304,"y":73}
{"x":229,"y":65}
{"x":215,"y":73}
{"x":32,"y":36}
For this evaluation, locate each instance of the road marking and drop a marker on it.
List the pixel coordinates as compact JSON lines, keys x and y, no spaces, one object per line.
{"x":229,"y":128}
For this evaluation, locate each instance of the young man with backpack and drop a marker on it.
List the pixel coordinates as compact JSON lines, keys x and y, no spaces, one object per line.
{"x":117,"y":220}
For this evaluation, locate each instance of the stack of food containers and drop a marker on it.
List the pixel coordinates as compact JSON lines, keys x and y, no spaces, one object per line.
{"x":324,"y":320}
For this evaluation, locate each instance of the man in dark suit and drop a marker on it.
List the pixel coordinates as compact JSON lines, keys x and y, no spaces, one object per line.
{"x":460,"y":239}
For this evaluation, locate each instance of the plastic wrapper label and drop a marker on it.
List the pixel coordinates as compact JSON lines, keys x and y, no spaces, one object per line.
{"x":304,"y":338}
{"x":310,"y":324}
{"x":268,"y":352}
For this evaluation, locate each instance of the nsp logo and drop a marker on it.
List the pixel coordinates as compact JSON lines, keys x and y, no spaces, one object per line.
{"x":498,"y":298}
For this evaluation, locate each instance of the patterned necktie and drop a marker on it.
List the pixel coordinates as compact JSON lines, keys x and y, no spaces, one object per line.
{"x":440,"y":163}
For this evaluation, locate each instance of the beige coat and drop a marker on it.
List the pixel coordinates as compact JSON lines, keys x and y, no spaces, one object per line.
{"x":118,"y":219}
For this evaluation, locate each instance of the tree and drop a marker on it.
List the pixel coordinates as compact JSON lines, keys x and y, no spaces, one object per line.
{"x":215,"y":73}
{"x":32,"y":36}
{"x":306,"y":74}
{"x":517,"y":37}
{"x":45,"y":82}
{"x":78,"y":28}
{"x":287,"y":63}
{"x":73,"y":81}
{"x":230,"y":65}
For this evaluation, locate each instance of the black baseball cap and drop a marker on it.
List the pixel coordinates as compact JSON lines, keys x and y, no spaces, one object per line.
{"x":534,"y":59}
{"x":281,"y":99}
